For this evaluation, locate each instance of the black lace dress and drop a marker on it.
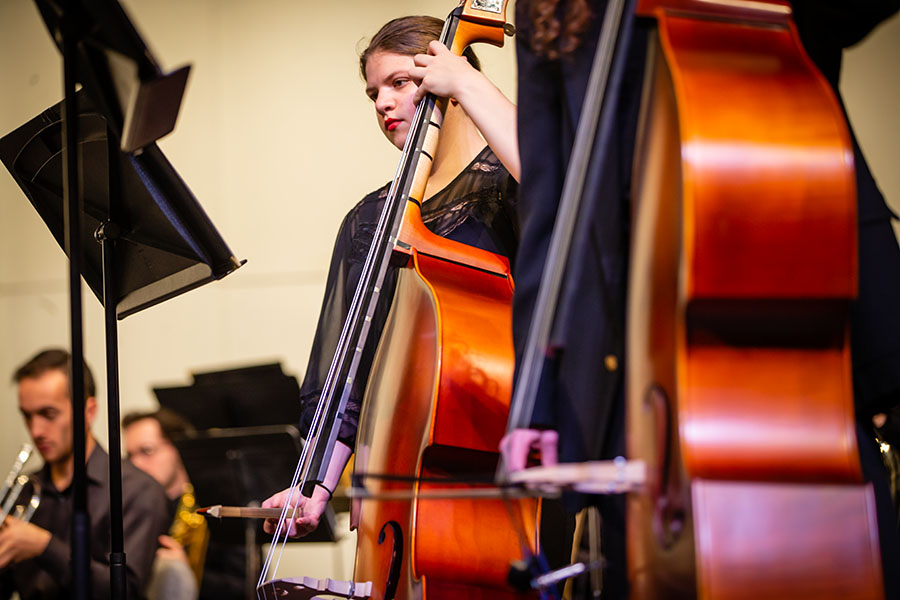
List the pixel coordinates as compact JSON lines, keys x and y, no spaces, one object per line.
{"x":477,"y":208}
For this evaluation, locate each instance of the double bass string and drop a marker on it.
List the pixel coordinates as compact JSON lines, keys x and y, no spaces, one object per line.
{"x":302,"y":471}
{"x":367,"y":292}
{"x":355,"y":331}
{"x":326,"y":399}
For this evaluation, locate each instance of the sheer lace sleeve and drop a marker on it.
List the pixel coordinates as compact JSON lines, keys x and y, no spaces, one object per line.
{"x":477,"y":208}
{"x":350,"y":249}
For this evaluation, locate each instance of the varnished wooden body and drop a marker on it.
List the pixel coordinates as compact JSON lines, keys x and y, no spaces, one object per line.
{"x":743,"y":269}
{"x":436,"y":406}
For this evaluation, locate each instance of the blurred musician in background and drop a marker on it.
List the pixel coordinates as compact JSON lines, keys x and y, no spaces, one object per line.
{"x":35,"y":556}
{"x":187,"y":565}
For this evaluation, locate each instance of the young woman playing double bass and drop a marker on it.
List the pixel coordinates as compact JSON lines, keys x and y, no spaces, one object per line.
{"x":470,"y":198}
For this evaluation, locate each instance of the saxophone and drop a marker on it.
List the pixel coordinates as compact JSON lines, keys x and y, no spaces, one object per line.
{"x":890,"y":455}
{"x":191,"y":531}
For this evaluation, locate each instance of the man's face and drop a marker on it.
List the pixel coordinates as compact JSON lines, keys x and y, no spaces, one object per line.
{"x":45,"y":405}
{"x":150,"y":452}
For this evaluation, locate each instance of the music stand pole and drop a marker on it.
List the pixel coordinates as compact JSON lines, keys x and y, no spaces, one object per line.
{"x":106,"y":235}
{"x":80,"y":549}
{"x":180,"y":248}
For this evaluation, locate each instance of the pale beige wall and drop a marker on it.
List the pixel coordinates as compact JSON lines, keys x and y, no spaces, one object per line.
{"x":277,"y":141}
{"x":870,"y":85}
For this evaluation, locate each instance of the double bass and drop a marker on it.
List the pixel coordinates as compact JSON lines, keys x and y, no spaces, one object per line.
{"x":438,"y":397}
{"x":741,"y":276}
{"x":438,"y":391}
{"x":743,"y":270}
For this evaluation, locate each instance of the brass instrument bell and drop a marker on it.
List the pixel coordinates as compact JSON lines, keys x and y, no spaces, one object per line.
{"x":13,"y":486}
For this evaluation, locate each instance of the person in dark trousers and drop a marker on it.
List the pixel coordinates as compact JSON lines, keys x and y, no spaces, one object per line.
{"x":581,"y":393}
{"x":581,"y":396}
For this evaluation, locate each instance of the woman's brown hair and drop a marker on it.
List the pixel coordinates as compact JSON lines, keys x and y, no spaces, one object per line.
{"x":408,"y":36}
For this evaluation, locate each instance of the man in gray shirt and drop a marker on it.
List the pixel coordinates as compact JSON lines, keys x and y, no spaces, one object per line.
{"x":35,"y":556}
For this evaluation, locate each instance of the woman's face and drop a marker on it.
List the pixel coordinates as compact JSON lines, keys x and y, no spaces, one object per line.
{"x":388,"y":85}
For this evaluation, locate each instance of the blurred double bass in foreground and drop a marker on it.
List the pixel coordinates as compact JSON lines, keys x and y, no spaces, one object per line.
{"x":744,"y":266}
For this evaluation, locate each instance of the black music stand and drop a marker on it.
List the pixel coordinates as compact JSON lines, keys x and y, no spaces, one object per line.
{"x":136,"y":104}
{"x":243,"y":467}
{"x":164,"y":243}
{"x":245,"y":397}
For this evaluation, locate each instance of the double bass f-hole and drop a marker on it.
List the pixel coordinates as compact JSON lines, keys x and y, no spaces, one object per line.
{"x":390,"y":587}
{"x":665,"y":484}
